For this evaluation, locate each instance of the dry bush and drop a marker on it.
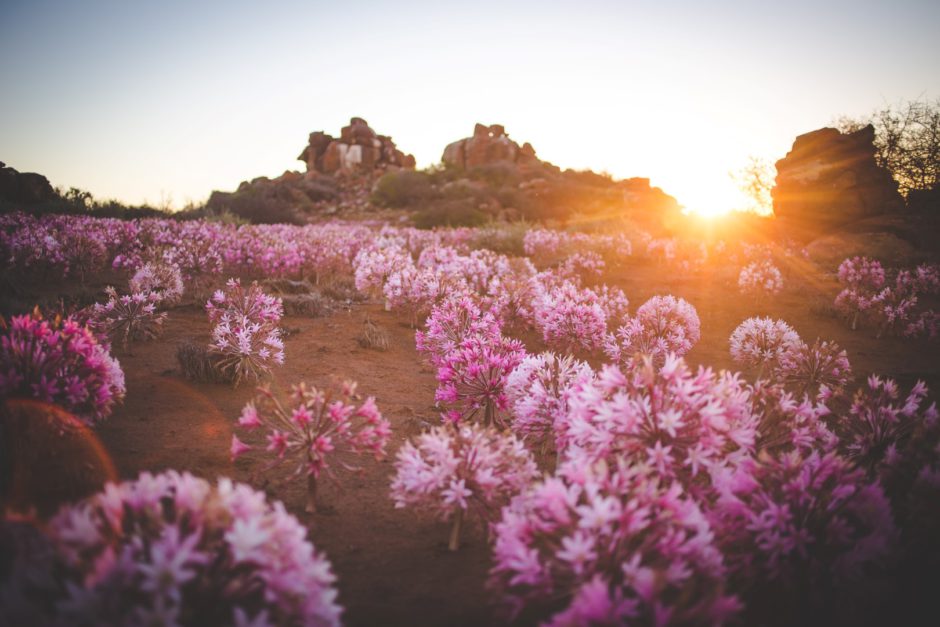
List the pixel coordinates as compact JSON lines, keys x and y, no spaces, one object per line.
{"x":373,"y":336}
{"x":287,"y":286}
{"x":197,"y":365}
{"x":312,"y":305}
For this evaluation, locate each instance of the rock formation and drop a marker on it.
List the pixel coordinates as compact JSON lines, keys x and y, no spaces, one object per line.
{"x":358,"y":149}
{"x":829,"y":179}
{"x":489,"y":144}
{"x":26,"y":188}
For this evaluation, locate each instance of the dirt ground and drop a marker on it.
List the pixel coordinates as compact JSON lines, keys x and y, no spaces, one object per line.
{"x":393,"y":566}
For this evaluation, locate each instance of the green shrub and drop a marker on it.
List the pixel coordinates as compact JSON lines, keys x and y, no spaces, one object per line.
{"x":449,"y":213}
{"x":403,"y":188}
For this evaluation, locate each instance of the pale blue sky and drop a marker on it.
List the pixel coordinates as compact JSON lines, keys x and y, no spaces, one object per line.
{"x":147,"y":100}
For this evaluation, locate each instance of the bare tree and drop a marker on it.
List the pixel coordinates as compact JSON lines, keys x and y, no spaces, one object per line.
{"x":756,"y":179}
{"x":907,"y":141}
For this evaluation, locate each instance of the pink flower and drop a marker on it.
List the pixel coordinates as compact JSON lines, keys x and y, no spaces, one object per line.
{"x":238,"y":447}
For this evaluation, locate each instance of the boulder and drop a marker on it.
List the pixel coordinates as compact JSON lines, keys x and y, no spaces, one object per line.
{"x":829,"y":179}
{"x":359,"y":149}
{"x":830,"y":250}
{"x":24,"y":188}
{"x":488,"y":145}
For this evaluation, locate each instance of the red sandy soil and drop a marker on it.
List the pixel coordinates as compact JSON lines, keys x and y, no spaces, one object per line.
{"x":393,"y":566}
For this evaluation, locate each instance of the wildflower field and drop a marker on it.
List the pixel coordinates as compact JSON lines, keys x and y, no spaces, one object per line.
{"x":363,"y":424}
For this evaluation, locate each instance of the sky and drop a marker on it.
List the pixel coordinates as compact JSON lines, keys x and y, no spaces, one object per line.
{"x":162,"y":102}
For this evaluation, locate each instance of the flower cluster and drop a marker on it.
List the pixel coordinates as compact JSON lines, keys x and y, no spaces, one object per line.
{"x":662,"y":325}
{"x":892,"y":307}
{"x":127,"y":317}
{"x":538,"y":390}
{"x":609,"y":545}
{"x":60,"y":363}
{"x":820,"y":368}
{"x":800,"y":523}
{"x":246,"y":341}
{"x":172,"y":549}
{"x":877,"y":430}
{"x":451,"y":470}
{"x":449,"y":323}
{"x":680,"y":424}
{"x":760,"y":277}
{"x":321,"y":424}
{"x":763,"y":343}
{"x":163,"y":280}
{"x":786,"y":422}
{"x":472,"y":378}
{"x":571,"y":317}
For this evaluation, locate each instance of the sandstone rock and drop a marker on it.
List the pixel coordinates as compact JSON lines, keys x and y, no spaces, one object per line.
{"x":489,"y":144}
{"x":25,"y":188}
{"x":829,"y":179}
{"x":359,"y":149}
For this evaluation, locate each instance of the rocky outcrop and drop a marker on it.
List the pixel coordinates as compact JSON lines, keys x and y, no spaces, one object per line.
{"x":359,"y":149}
{"x":829,"y":179}
{"x":489,"y":144}
{"x":24,"y":188}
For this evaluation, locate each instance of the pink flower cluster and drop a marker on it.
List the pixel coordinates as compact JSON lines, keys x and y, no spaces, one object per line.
{"x":172,"y":549}
{"x":820,"y":368}
{"x":893,"y":308}
{"x":787,"y":422}
{"x":127,"y":317}
{"x":876,"y":431}
{"x":60,"y":363}
{"x":246,"y":340}
{"x":538,"y":390}
{"x":661,"y":325}
{"x":472,"y":378}
{"x":609,"y":545}
{"x":163,"y":280}
{"x":680,"y":424}
{"x":760,"y":277}
{"x":571,"y":317}
{"x":763,"y":343}
{"x":451,"y":470}
{"x":320,"y":425}
{"x":450,"y":322}
{"x":797,"y":523}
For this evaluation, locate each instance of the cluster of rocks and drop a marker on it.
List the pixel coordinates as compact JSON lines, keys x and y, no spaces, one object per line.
{"x":359,"y":149}
{"x":24,"y":188}
{"x":829,"y":179}
{"x":489,"y":144}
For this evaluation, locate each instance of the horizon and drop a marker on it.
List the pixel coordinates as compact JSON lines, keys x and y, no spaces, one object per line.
{"x":171,"y":101}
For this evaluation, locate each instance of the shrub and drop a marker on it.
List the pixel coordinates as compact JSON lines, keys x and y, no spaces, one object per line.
{"x":402,"y":188}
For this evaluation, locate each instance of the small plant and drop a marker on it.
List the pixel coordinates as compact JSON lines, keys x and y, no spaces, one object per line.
{"x":682,"y":424}
{"x":764,"y":344}
{"x":173,"y":549}
{"x":822,"y":367}
{"x":127,"y":317}
{"x":862,"y":279}
{"x":798,"y":527}
{"x":246,"y":341}
{"x":760,"y":277}
{"x":59,"y":362}
{"x":163,"y":279}
{"x":472,"y":378}
{"x":662,"y":325}
{"x":373,"y":336}
{"x":609,"y":545}
{"x":321,"y":424}
{"x":197,"y":364}
{"x":455,"y":470}
{"x":450,"y":322}
{"x":538,"y":389}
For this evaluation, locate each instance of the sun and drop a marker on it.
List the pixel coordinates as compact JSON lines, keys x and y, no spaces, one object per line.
{"x":710,"y":199}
